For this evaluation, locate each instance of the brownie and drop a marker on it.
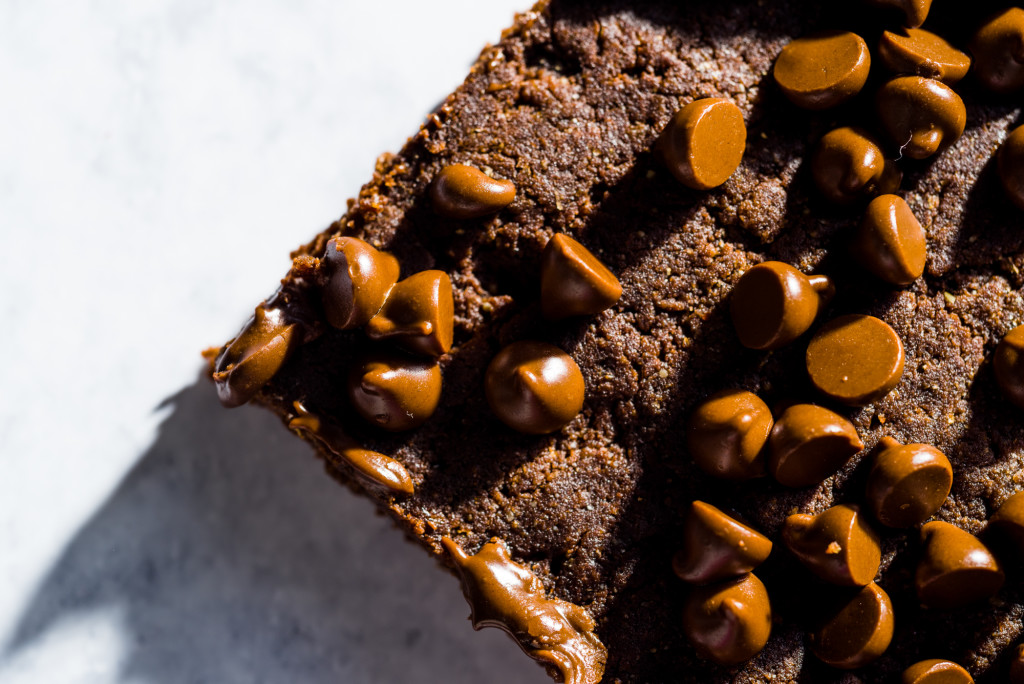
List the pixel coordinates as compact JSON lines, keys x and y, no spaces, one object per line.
{"x":569,"y":106}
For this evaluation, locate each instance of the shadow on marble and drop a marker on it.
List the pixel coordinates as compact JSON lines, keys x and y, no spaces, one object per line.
{"x":234,"y":558}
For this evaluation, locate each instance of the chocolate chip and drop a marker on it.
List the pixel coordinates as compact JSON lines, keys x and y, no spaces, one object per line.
{"x":465,"y":192}
{"x":855,"y":359}
{"x":908,"y":483}
{"x":728,"y":622}
{"x":913,"y":12}
{"x":809,"y":443}
{"x":921,"y":115}
{"x":824,"y":69}
{"x":916,"y":51}
{"x":1008,"y":363}
{"x":573,"y":282}
{"x":727,"y":434}
{"x":936,"y":672}
{"x":955,"y":569}
{"x":773,"y":304}
{"x":355,"y":279}
{"x":534,"y":387}
{"x":717,"y":547}
{"x":890,"y":242}
{"x":1008,"y":523}
{"x":417,"y":315}
{"x":836,"y":545}
{"x":858,"y":632}
{"x":379,"y":469}
{"x":394,"y":391}
{"x":1011,"y":166}
{"x":504,"y":594}
{"x":251,"y":359}
{"x":704,"y":143}
{"x":1017,"y":666}
{"x":998,"y":50}
{"x":848,"y":166}
{"x":373,"y":467}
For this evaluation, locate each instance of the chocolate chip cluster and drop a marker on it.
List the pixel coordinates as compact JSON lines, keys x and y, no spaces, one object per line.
{"x":733,"y":436}
{"x":855,"y":360}
{"x":718,"y":556}
{"x":533,"y":387}
{"x":396,"y":387}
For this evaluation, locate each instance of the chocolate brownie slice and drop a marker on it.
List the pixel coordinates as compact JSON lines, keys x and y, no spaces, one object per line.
{"x":569,"y":106}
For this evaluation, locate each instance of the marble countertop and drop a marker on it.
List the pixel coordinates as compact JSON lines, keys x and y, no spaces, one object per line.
{"x":158,"y":161}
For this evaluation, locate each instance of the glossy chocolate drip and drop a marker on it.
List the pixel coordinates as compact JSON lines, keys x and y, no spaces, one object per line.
{"x":501,"y":593}
{"x":373,"y":466}
{"x":355,"y":279}
{"x":250,"y":360}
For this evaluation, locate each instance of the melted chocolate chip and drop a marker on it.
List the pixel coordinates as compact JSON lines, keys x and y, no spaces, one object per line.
{"x":704,"y":143}
{"x":465,"y":192}
{"x":890,"y":242}
{"x":908,"y":483}
{"x":913,"y":12}
{"x":936,"y":672}
{"x":858,"y":632}
{"x":717,"y":547}
{"x":504,"y":594}
{"x":355,"y":279}
{"x":836,"y":545}
{"x":998,"y":50}
{"x":773,"y":304}
{"x":417,"y":315}
{"x":823,"y":70}
{"x":1011,"y":166}
{"x":855,"y":359}
{"x":534,"y":387}
{"x":809,"y":443}
{"x":573,"y":282}
{"x":1008,"y":363}
{"x":727,"y":434}
{"x":728,"y":622}
{"x":1008,"y":523}
{"x":920,"y":115}
{"x":849,"y":166}
{"x":373,"y":467}
{"x":955,"y":569}
{"x":394,"y":391}
{"x":920,"y":52}
{"x":250,"y":360}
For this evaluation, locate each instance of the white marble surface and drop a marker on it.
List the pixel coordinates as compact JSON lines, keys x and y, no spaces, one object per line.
{"x":158,"y":160}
